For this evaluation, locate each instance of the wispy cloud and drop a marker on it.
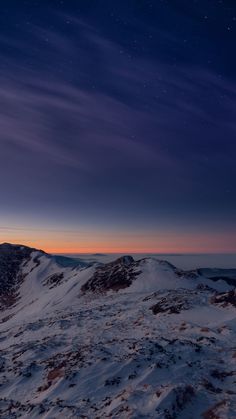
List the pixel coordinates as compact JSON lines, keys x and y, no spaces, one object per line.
{"x":87,"y":121}
{"x":79,"y":108}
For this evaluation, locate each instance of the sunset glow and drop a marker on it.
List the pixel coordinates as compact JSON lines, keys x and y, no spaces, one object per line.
{"x":123,"y":242}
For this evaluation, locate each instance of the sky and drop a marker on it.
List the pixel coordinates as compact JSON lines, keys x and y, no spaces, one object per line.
{"x":117,"y":125}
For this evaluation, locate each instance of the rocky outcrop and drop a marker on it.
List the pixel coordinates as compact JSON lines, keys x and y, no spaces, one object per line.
{"x":113,"y":276}
{"x":225,"y":299}
{"x":12,"y":257}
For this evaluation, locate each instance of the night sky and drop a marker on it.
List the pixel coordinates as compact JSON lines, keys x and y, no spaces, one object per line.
{"x":118,"y":125}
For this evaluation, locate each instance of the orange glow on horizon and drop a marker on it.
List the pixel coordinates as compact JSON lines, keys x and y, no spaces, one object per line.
{"x":184,"y":243}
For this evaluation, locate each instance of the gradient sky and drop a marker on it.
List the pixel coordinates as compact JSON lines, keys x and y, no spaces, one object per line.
{"x":117,"y":125}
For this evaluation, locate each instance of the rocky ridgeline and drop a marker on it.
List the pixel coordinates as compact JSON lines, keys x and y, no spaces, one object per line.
{"x":12,"y":258}
{"x":113,"y":276}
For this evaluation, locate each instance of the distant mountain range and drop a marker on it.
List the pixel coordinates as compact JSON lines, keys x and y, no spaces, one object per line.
{"x":126,"y":339}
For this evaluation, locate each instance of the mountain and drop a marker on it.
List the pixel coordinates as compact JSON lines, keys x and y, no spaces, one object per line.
{"x":125,"y":339}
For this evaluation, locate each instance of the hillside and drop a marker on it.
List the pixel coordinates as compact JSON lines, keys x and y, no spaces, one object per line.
{"x":126,"y":339}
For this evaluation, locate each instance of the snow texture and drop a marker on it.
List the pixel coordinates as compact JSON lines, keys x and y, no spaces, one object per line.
{"x":125,"y":339}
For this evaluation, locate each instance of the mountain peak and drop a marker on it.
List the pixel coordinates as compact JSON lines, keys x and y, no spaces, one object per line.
{"x":125,"y":260}
{"x":10,"y":247}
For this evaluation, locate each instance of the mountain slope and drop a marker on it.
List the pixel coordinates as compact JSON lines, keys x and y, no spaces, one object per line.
{"x":127,"y":339}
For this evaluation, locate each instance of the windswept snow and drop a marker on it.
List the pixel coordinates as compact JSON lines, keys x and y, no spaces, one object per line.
{"x":127,"y":339}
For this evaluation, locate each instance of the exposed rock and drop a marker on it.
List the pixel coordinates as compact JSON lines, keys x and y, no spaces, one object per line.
{"x":174,"y":302}
{"x":225,"y":299}
{"x":113,"y":276}
{"x":11,"y":259}
{"x":54,"y":280}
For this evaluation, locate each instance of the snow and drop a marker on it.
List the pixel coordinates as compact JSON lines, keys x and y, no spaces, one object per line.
{"x":67,"y":353}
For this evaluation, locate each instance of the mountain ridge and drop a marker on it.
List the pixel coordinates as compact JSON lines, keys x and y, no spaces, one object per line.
{"x":128,"y":338}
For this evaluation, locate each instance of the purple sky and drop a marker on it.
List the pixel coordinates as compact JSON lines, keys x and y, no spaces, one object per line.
{"x":118,"y":124}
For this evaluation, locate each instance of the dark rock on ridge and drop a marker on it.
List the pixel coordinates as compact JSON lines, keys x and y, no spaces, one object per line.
{"x":11,"y":258}
{"x":113,"y":276}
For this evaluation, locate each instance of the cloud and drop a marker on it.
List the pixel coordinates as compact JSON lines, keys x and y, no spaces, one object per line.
{"x":81,"y":100}
{"x":71,"y":123}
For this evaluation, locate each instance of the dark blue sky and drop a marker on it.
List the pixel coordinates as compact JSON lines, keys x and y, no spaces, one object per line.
{"x":118,"y":124}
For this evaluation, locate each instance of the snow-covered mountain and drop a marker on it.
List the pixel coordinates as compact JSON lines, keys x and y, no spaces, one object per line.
{"x":125,"y":339}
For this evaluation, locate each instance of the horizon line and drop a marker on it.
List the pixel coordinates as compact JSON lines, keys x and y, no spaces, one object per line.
{"x":146,"y":252}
